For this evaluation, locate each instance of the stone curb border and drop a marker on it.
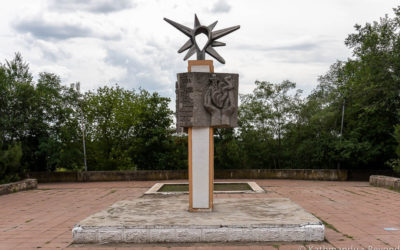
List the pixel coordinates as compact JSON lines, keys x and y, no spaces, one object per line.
{"x":18,"y":186}
{"x":385,"y":181}
{"x":156,"y":175}
{"x":254,"y":186}
{"x":276,"y":233}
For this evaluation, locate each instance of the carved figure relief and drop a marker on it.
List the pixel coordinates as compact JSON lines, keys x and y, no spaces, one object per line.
{"x":206,"y":99}
{"x":219,"y":100}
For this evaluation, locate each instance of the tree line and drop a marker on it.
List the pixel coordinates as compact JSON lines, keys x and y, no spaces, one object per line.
{"x":351,"y":120}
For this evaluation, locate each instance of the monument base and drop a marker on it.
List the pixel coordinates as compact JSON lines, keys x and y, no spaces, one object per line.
{"x":156,"y":220}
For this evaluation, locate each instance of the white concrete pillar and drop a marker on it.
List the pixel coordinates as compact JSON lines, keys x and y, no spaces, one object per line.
{"x":201,"y":175}
{"x":201,"y":156}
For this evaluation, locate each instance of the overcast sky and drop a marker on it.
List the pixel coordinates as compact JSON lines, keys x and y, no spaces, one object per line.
{"x":103,"y":42}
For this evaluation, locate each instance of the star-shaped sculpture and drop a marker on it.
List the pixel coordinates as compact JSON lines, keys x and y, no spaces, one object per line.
{"x":191,"y":44}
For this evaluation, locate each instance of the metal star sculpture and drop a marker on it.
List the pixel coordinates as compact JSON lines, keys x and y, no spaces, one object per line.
{"x":191,"y":44}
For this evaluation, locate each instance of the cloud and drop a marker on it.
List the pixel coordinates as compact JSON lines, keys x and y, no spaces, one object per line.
{"x":94,"y":6}
{"x":44,"y":29}
{"x":138,"y":72}
{"x":41,"y":29}
{"x":221,"y":6}
{"x":316,"y":50}
{"x":51,"y":52}
{"x":301,"y":46}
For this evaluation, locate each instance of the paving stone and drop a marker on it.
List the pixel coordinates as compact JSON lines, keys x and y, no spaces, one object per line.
{"x":61,"y":205}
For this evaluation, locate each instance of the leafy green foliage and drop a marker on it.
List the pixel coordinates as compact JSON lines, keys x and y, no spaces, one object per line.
{"x":264,"y":118}
{"x":10,"y":164}
{"x":227,"y":153}
{"x":346,"y":122}
{"x":372,"y":93}
{"x":38,"y":116}
{"x":128,"y":130}
{"x":395,"y":163}
{"x":41,"y":126}
{"x":280,"y":130}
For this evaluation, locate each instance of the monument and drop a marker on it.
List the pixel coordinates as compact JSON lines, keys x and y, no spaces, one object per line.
{"x":204,"y":100}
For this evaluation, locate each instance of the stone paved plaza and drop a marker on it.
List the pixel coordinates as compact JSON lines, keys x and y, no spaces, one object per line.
{"x":357,"y":215}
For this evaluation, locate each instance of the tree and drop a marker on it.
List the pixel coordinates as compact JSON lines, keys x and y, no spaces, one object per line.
{"x":57,"y":119}
{"x":17,"y":98}
{"x":264,"y":116}
{"x":10,"y":163}
{"x":127,"y":130}
{"x":371,"y":88}
{"x":395,"y":163}
{"x":228,"y":154}
{"x":37,"y":117}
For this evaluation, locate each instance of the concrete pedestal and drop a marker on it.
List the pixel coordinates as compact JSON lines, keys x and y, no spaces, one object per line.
{"x":152,"y":220}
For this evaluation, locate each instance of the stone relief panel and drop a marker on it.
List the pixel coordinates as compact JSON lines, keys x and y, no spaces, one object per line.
{"x":206,"y":100}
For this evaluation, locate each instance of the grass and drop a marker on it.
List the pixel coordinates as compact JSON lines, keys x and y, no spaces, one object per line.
{"x":393,"y":189}
{"x":27,"y":221}
{"x":387,"y":244}
{"x":386,"y":187}
{"x":217,"y":187}
{"x":330,"y":226}
{"x":348,"y":236}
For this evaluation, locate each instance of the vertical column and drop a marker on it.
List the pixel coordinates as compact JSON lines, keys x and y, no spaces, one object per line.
{"x":201,"y":156}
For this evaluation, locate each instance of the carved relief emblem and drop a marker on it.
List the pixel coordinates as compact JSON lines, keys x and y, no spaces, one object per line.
{"x":206,"y":100}
{"x":219,"y":100}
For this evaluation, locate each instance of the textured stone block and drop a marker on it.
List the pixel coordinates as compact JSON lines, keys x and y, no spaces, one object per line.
{"x":293,"y":233}
{"x":18,"y":186}
{"x":162,"y":235}
{"x":385,"y":181}
{"x":268,"y":234}
{"x":136,"y":235}
{"x":237,"y":234}
{"x":314,"y":233}
{"x":188,"y":235}
{"x":110,"y":236}
{"x":81,"y":235}
{"x":206,"y":100}
{"x":214,"y":235}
